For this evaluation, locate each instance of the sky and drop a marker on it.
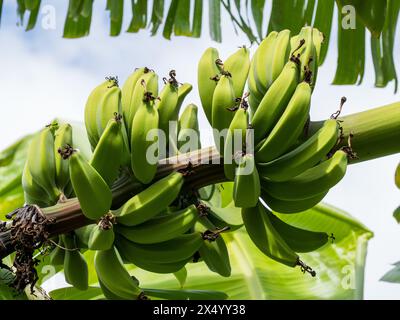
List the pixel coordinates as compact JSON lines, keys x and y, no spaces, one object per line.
{"x":45,"y":76}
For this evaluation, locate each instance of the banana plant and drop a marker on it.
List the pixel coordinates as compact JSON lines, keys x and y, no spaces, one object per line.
{"x":180,"y":18}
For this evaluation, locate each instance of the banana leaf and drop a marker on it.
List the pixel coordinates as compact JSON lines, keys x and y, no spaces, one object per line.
{"x":393,"y":276}
{"x":12,"y":162}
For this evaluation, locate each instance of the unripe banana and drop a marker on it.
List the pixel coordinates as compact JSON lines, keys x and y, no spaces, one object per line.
{"x":107,"y":293}
{"x":246,"y":189}
{"x":178,"y":249}
{"x":299,"y":240}
{"x":214,"y":253}
{"x":91,"y":110}
{"x":146,"y":120}
{"x":92,"y":191}
{"x":280,"y":55}
{"x":75,"y":266}
{"x":113,"y":275}
{"x":222,"y":103}
{"x":275,"y":101}
{"x":57,"y":255}
{"x":183,"y":91}
{"x":235,"y":141}
{"x":41,"y":162}
{"x":162,"y":268}
{"x":266,"y":238}
{"x":207,"y":71}
{"x":108,"y":154}
{"x":255,"y":95}
{"x":167,"y":105}
{"x":109,"y":106}
{"x":308,"y":53}
{"x":127,"y":93}
{"x":148,"y":82}
{"x":263,"y":63}
{"x":238,"y":65}
{"x":83,"y":235}
{"x":289,"y":127}
{"x":312,"y":182}
{"x":63,"y":138}
{"x":33,"y":192}
{"x":305,"y":156}
{"x":161,"y":228}
{"x":101,"y":238}
{"x":187,"y":126}
{"x":295,"y":206}
{"x":150,"y":202}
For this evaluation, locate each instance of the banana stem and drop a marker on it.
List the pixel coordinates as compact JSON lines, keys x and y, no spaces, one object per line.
{"x":376,"y":133}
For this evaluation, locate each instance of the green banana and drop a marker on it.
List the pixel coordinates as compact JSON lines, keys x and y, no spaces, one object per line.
{"x":63,"y":137}
{"x":275,"y":101}
{"x":305,"y":156}
{"x":83,"y":235}
{"x":107,"y":293}
{"x":75,"y":266}
{"x":41,"y":162}
{"x":114,"y":276}
{"x":312,"y":182}
{"x":255,"y":95}
{"x":92,"y":191}
{"x":127,"y":101}
{"x":188,"y":125}
{"x":91,"y":110}
{"x":246,"y":189}
{"x":223,"y":103}
{"x":294,"y":206}
{"x":280,"y":55}
{"x":235,"y":140}
{"x":161,"y":228}
{"x":309,"y":52}
{"x":289,"y":127}
{"x":266,"y":238}
{"x":214,"y":253}
{"x":177,"y":249}
{"x":33,"y":192}
{"x":167,"y":105}
{"x":238,"y":65}
{"x":299,"y":240}
{"x":57,"y":255}
{"x":107,"y":156}
{"x":397,"y":176}
{"x":263,"y":63}
{"x":162,"y":268}
{"x":110,"y":104}
{"x":207,"y":72}
{"x":101,"y":238}
{"x":150,"y":202}
{"x":183,"y":91}
{"x":146,"y":120}
{"x":147,"y":83}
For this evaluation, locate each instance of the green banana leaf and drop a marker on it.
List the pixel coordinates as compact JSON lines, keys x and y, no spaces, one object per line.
{"x":378,"y":16}
{"x":393,"y":275}
{"x":12,"y":162}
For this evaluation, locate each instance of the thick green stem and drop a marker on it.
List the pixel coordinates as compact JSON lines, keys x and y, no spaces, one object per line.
{"x":376,"y":133}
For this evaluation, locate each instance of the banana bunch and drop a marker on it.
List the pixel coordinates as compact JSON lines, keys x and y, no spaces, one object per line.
{"x":259,"y":133}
